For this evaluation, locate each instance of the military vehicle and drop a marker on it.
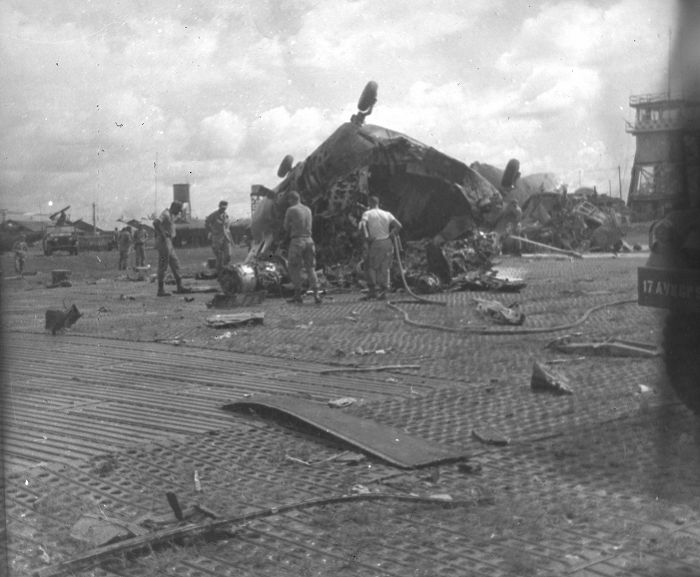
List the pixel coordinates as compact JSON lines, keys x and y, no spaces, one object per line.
{"x":60,"y":238}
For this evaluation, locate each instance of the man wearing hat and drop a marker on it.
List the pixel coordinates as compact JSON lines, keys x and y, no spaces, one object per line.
{"x":218,"y":226}
{"x":165,"y":232}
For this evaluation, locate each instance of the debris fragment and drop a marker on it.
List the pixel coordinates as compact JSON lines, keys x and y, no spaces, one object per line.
{"x":297,"y":460}
{"x":235,"y":320}
{"x":547,"y":380}
{"x":226,"y":335}
{"x":368,"y":369}
{"x":440,"y":497}
{"x":490,"y":437}
{"x":342,"y":402}
{"x":500,"y":313}
{"x":469,"y":468}
{"x":58,"y":320}
{"x":44,"y":554}
{"x":98,"y":531}
{"x":174,"y":505}
{"x":571,"y":253}
{"x":608,"y":347}
{"x":348,"y":458}
{"x":362,"y":352}
{"x":197,"y":482}
{"x":174,"y":341}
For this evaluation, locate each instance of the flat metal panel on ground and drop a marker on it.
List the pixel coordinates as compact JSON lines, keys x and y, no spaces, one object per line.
{"x":388,"y":443}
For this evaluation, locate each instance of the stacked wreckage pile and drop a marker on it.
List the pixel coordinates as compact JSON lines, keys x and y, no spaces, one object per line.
{"x":554,"y":219}
{"x":463,"y":264}
{"x":572,"y":222}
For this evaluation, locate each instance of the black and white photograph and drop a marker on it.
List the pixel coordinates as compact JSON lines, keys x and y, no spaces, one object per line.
{"x":342,"y":288}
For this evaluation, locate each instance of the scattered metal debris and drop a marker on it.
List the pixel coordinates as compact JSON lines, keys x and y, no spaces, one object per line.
{"x":499,"y":313}
{"x":490,"y":437}
{"x":98,"y":531}
{"x":357,"y":369}
{"x":60,"y":320}
{"x":363,"y":352}
{"x":233,"y":320}
{"x":147,"y":542}
{"x":554,"y":249}
{"x":549,"y":381}
{"x":342,"y":402}
{"x":609,"y":347}
{"x":387,"y":443}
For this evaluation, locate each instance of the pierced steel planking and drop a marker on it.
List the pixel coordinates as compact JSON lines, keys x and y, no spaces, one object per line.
{"x":390,"y":444}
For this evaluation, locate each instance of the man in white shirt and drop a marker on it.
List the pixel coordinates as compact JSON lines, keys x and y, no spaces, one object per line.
{"x":378,"y":226}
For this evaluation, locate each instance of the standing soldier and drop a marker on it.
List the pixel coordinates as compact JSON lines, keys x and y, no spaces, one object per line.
{"x":378,"y":226}
{"x":165,"y":232}
{"x":218,"y":226}
{"x":21,"y":249}
{"x":140,"y":237}
{"x":124,"y":243}
{"x":302,"y":250}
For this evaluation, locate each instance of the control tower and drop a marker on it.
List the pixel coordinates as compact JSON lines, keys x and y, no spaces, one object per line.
{"x":666,"y":170}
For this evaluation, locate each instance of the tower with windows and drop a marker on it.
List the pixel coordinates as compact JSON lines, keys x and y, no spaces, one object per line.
{"x":666,"y":170}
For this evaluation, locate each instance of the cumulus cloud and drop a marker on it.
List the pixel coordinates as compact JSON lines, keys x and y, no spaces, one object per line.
{"x":219,"y":93}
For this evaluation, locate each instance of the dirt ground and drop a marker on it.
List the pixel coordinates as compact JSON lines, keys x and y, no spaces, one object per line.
{"x":107,"y":418}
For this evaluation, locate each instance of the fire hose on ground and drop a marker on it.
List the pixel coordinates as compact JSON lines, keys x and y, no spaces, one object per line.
{"x":476,"y":331}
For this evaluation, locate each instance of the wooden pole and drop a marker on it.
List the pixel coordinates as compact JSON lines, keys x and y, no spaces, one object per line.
{"x":619,"y":179}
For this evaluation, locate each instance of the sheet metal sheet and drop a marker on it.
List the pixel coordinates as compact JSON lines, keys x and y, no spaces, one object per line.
{"x":390,"y":444}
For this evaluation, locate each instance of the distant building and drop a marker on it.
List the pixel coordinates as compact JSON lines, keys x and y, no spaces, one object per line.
{"x":666,"y":170}
{"x":10,"y":229}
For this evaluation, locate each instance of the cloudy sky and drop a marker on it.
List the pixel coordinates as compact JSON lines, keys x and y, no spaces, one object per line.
{"x":216,"y":92}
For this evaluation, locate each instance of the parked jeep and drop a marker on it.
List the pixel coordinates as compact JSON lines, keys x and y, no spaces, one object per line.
{"x":60,"y":238}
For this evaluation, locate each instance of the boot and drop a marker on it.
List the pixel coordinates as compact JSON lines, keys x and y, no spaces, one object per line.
{"x":297,"y":297}
{"x":161,"y":290}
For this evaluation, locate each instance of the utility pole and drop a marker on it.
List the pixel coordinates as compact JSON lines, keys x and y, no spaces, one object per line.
{"x":155,"y":185}
{"x":94,"y":219}
{"x":619,"y":179}
{"x":668,"y":72}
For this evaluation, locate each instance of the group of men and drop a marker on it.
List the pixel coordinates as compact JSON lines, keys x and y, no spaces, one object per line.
{"x":219,"y":231}
{"x":125,"y":240}
{"x":377,"y":226}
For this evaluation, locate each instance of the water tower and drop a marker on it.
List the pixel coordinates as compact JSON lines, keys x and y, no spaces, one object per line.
{"x":181,"y":193}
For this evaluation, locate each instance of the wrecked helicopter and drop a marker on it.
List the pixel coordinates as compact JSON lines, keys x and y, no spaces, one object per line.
{"x":434,"y":196}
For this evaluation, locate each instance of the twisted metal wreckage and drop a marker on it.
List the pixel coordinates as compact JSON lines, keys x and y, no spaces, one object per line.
{"x":454,"y":219}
